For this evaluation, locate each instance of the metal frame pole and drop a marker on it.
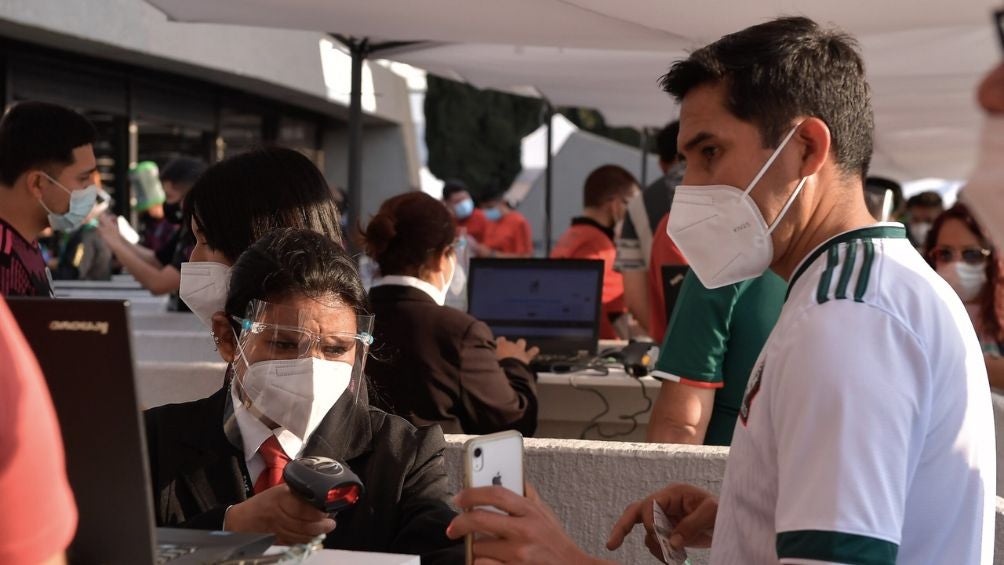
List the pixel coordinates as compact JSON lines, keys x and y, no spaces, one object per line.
{"x":549,"y":179}
{"x":644,"y":157}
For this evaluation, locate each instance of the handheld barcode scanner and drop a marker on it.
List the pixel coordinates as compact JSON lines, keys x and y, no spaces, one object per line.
{"x":329,"y":485}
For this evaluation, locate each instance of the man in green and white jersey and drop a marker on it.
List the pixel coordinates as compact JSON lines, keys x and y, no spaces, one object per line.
{"x":865,"y":435}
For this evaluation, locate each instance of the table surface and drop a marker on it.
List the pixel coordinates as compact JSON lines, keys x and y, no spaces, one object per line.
{"x":341,"y":557}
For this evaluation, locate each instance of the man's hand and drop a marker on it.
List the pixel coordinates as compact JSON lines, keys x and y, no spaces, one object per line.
{"x":693,"y":510}
{"x":108,"y":228}
{"x":505,"y":348}
{"x":530,"y":533}
{"x":278,"y":511}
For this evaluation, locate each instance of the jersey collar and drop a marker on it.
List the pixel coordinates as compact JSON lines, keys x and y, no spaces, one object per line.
{"x":878,"y":231}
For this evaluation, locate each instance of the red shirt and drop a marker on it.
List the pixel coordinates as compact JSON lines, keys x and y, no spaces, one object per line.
{"x":476,"y":225}
{"x":38,"y":517}
{"x":23,"y":271}
{"x":664,"y":252}
{"x":587,"y":239}
{"x":511,"y":234}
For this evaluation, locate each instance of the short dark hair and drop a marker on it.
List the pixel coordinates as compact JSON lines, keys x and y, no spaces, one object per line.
{"x":239,"y":200}
{"x":408,"y":231}
{"x":926,"y":199}
{"x":605,"y":183}
{"x":39,"y":134}
{"x":183,"y":171}
{"x":294,"y":262}
{"x":453,"y":186}
{"x":789,"y":67}
{"x":665,"y":142}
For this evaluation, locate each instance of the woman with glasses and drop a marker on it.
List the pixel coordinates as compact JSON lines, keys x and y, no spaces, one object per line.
{"x":963,"y":255}
{"x":434,"y":364}
{"x":295,"y":332}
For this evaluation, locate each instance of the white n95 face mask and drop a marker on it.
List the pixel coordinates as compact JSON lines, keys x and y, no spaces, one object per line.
{"x":204,"y":286}
{"x":720,"y":230}
{"x":296,"y":393}
{"x":984,"y":191}
{"x":966,"y":280}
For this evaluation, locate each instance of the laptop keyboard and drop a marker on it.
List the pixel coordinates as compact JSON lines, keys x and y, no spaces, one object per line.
{"x":560,"y":363}
{"x":169,"y":552}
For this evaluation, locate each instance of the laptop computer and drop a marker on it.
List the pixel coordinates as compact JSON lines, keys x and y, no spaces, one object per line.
{"x":554,"y":304}
{"x":84,"y":350}
{"x":672,"y":282}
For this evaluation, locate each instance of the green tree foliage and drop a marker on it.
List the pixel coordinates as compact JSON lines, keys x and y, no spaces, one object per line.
{"x":474,"y":135}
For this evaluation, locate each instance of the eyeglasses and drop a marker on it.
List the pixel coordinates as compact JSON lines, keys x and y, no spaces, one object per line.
{"x":999,"y":20}
{"x":274,"y":341}
{"x":969,"y":255}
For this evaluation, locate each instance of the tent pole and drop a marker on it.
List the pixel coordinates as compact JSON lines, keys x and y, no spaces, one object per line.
{"x":644,"y":157}
{"x":358,"y":49}
{"x":548,"y":179}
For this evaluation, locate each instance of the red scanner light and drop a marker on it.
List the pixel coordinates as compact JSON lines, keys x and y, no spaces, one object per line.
{"x":349,"y":494}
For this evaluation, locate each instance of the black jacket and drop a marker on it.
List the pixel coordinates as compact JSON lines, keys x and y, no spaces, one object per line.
{"x":197,"y":473}
{"x":433,"y":364}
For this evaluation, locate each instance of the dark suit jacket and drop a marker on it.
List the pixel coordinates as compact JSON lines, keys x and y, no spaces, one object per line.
{"x":433,"y":364}
{"x":197,"y":473}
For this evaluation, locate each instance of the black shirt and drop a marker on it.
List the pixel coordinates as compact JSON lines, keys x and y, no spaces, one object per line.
{"x":23,"y":271}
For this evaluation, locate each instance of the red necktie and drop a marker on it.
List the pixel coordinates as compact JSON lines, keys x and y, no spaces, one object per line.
{"x":275,"y":461}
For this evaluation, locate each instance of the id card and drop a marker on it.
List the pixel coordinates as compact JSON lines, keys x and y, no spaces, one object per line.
{"x":663,"y":531}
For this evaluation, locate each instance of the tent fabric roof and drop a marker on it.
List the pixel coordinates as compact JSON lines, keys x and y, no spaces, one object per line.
{"x":924,"y":57}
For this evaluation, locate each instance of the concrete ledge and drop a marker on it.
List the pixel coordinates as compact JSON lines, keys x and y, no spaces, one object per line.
{"x":167,"y":321}
{"x":174,"y":346}
{"x":589,"y":483}
{"x":168,"y":383}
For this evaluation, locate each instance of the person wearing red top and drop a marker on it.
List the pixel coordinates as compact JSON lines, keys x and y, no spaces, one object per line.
{"x":664,"y":252}
{"x":470,"y":220}
{"x":37,"y":514}
{"x":591,"y":236}
{"x":508,"y":232}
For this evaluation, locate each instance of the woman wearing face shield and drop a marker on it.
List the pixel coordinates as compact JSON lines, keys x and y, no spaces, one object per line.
{"x":434,"y":364}
{"x":962,"y":253}
{"x":295,"y":331}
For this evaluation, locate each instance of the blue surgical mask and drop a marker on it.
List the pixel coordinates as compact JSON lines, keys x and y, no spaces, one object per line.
{"x":464,"y":209}
{"x":494,"y":214}
{"x":81,"y":204}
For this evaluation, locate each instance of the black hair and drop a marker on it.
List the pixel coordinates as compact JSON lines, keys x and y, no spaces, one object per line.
{"x":241,"y":199}
{"x":605,"y":183}
{"x":408,"y":231}
{"x":294,"y":262}
{"x":665,"y":142}
{"x":926,"y":199}
{"x":453,"y":186}
{"x":38,"y":135}
{"x":785,"y":68}
{"x":183,"y":171}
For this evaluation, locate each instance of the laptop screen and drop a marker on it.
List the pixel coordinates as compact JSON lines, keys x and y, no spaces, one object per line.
{"x":553,"y":304}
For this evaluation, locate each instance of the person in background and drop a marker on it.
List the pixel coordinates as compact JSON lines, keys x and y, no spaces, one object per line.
{"x":37,"y":514}
{"x":921,"y":211}
{"x":639,"y":259}
{"x":435,"y":364}
{"x":605,"y":197}
{"x":507,"y":233}
{"x":471,"y":221}
{"x":159,"y":271}
{"x":294,"y":331}
{"x":155,"y":229}
{"x":962,"y":253}
{"x":46,"y":169}
{"x":884,"y":198}
{"x":237,"y":202}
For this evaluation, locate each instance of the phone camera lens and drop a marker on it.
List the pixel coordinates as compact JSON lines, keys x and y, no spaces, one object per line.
{"x":477,"y":452}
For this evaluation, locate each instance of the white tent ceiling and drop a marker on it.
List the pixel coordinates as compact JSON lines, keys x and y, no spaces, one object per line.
{"x":924,"y":57}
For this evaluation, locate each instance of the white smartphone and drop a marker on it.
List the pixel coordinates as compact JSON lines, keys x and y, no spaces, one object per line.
{"x":494,"y":459}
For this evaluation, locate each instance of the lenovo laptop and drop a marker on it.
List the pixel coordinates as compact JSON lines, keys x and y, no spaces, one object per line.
{"x":85,"y":352}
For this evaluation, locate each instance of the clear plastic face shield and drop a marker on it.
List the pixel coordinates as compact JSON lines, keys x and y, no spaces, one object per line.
{"x":295,"y":360}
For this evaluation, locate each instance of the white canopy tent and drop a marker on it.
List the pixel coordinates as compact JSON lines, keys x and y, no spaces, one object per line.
{"x":924,"y":57}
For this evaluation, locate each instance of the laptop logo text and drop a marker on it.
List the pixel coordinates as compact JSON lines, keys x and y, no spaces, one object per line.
{"x":78,"y":326}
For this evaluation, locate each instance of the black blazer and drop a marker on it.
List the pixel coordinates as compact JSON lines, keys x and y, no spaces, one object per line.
{"x":433,"y":364}
{"x":197,"y":473}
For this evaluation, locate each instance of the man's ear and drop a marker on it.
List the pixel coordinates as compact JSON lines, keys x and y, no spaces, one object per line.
{"x":223,"y":336}
{"x":815,"y":137}
{"x":33,"y":179}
